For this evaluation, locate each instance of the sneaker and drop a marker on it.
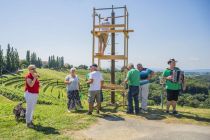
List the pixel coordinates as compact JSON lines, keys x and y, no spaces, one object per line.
{"x":175,"y":112}
{"x":128,"y":112}
{"x":143,"y":111}
{"x":89,"y":113}
{"x":30,"y":125}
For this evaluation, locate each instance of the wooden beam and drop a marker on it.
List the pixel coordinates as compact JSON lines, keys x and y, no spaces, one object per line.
{"x":111,"y":57}
{"x":113,"y":86}
{"x":110,"y":26}
{"x":113,"y":31}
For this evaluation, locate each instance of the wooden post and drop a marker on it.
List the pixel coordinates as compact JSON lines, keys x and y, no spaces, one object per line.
{"x":127,"y":41}
{"x":113,"y":61}
{"x":99,"y":22}
{"x":93,"y":47}
{"x":125,"y":35}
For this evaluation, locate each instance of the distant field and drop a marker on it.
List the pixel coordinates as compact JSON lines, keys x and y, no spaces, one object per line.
{"x":51,"y":116}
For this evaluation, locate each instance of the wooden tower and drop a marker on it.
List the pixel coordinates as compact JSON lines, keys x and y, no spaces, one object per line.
{"x":113,"y":29}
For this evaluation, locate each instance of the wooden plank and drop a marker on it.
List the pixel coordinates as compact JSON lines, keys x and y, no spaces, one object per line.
{"x":113,"y":86}
{"x":110,"y":26}
{"x":111,"y":57}
{"x":112,"y":31}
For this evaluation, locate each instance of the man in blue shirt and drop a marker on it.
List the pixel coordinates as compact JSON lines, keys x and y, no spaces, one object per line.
{"x":145,"y":76}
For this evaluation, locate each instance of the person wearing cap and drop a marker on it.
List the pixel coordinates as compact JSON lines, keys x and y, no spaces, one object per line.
{"x":145,"y":75}
{"x":31,"y":93}
{"x":96,"y":83}
{"x":103,"y":37}
{"x":172,"y":88}
{"x":132,"y":79}
{"x":72,"y":87}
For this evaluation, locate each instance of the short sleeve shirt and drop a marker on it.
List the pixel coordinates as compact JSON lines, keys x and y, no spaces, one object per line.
{"x":74,"y":85}
{"x":133,"y":77}
{"x":144,"y":74}
{"x":169,"y":84}
{"x":97,"y":78}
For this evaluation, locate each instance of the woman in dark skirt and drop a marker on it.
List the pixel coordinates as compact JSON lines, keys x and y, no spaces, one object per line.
{"x":72,"y":86}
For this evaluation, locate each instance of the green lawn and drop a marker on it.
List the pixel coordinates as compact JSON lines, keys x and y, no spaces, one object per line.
{"x":53,"y":121}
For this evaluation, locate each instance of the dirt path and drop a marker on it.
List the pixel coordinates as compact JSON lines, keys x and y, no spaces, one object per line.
{"x":133,"y":128}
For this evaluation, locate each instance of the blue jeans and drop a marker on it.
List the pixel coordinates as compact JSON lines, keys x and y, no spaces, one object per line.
{"x":133,"y":94}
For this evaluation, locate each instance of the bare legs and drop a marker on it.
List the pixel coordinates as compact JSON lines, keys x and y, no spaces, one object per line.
{"x":171,"y":103}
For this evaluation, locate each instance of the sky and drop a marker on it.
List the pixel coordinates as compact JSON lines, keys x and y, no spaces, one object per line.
{"x":163,"y":29}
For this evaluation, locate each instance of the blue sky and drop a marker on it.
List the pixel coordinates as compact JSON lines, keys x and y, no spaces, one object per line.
{"x":164,"y":29}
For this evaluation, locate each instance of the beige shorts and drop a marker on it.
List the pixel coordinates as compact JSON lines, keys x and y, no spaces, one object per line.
{"x":103,"y":37}
{"x":92,"y":95}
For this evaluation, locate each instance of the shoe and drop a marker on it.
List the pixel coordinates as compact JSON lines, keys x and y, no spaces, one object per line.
{"x":30,"y":125}
{"x":175,"y":112}
{"x":89,"y":113}
{"x":167,"y":111}
{"x":98,"y":112}
{"x":137,"y":112}
{"x":143,"y":111}
{"x":128,"y":112}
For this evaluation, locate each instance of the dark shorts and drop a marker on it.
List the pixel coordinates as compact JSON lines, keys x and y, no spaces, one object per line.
{"x":172,"y":95}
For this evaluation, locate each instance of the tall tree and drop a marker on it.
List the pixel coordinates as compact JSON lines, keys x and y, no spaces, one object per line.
{"x":17,"y":59}
{"x":62,"y":61}
{"x":1,"y":60}
{"x":12,"y":56}
{"x":33,"y":58}
{"x":8,"y":59}
{"x":28,"y":57}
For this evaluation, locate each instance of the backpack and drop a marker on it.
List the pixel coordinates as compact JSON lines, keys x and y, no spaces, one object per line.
{"x":19,"y":111}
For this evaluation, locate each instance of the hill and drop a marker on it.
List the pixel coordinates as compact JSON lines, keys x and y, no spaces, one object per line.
{"x":51,"y":117}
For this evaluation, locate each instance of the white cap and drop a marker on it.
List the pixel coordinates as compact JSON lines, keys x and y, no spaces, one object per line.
{"x":72,"y":69}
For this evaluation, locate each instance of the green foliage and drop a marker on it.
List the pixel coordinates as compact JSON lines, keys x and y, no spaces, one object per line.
{"x":196,"y":94}
{"x":55,"y":63}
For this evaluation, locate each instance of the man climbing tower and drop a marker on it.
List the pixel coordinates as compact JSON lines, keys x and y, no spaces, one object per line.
{"x":103,"y":37}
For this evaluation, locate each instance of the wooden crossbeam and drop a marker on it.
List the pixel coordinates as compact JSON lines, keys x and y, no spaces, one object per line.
{"x":111,"y":57}
{"x":112,"y":31}
{"x":110,"y":26}
{"x":113,"y":86}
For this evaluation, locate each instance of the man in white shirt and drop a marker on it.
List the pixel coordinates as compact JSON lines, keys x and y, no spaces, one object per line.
{"x":103,"y":37}
{"x":96,"y":83}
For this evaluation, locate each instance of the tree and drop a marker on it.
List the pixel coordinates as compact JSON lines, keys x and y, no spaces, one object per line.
{"x":62,"y":61}
{"x":33,"y":58}
{"x":8,"y":59}
{"x":39,"y":63}
{"x":1,"y":60}
{"x":17,"y":60}
{"x":23,"y":64}
{"x":28,"y":57}
{"x":12,"y":57}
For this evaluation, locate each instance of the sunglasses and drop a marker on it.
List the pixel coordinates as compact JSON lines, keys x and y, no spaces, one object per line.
{"x":33,"y":69}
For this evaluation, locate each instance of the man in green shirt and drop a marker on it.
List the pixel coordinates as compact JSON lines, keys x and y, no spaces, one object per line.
{"x":172,"y":88}
{"x":133,"y":82}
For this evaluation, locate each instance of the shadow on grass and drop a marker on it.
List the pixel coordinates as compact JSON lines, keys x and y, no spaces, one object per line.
{"x":154,"y":114}
{"x":159,"y":114}
{"x":46,"y":130}
{"x":112,"y":108}
{"x":82,"y":111}
{"x":192,"y":116}
{"x":111,"y":117}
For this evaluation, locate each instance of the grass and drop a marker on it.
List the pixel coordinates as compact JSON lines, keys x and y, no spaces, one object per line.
{"x":50,"y":120}
{"x":53,"y":121}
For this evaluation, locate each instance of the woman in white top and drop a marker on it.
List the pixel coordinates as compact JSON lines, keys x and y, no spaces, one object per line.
{"x":72,"y":86}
